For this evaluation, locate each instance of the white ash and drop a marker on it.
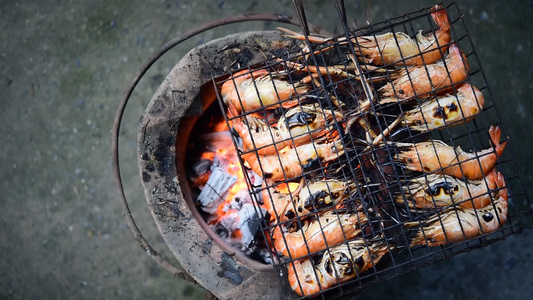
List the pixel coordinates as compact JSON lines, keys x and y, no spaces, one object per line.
{"x":230,"y":221}
{"x":240,"y":199}
{"x":212,"y":194}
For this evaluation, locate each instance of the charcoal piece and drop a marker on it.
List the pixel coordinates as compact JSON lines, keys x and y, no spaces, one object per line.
{"x":230,"y":221}
{"x":202,"y":167}
{"x":249,"y":222}
{"x":212,"y":194}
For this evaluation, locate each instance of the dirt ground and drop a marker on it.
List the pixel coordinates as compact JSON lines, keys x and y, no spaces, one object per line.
{"x":64,"y":65}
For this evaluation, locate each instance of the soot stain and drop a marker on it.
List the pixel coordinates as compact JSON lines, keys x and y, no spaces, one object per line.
{"x":146,"y":176}
{"x":157,"y":108}
{"x":229,"y":269}
{"x":164,"y":158}
{"x":245,"y":57}
{"x":167,"y":141}
{"x":160,"y":153}
{"x":150,"y":167}
{"x":207,"y":246}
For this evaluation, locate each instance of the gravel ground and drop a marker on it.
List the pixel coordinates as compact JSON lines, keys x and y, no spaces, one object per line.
{"x":63,"y":68}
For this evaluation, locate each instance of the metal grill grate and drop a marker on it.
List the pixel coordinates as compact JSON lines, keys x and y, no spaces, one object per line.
{"x":337,"y":131}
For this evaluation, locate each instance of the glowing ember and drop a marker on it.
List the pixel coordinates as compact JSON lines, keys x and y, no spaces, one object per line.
{"x":225,"y":196}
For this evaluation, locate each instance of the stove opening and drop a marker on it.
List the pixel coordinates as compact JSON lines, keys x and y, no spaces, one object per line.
{"x":218,"y":187}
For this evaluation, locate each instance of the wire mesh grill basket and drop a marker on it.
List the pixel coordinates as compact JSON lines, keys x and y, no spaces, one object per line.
{"x":358,"y":140}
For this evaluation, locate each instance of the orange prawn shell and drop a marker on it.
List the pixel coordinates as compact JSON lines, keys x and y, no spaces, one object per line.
{"x":302,"y":277}
{"x":318,"y":235}
{"x":264,"y":142}
{"x":439,"y":190}
{"x":289,"y":164}
{"x":250,"y":90}
{"x":475,"y":165}
{"x":437,"y":156}
{"x":303,"y":133}
{"x":390,"y":48}
{"x":463,"y":224}
{"x":421,"y":80}
{"x":307,"y":279}
{"x":449,"y":110}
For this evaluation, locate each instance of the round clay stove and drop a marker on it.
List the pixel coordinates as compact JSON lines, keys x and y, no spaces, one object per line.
{"x":164,"y":135}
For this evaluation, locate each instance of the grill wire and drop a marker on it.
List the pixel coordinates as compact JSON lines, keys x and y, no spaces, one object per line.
{"x":339,"y":194}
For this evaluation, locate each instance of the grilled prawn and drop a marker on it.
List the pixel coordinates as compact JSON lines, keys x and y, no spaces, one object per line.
{"x":459,"y":224}
{"x":438,"y":190}
{"x":436,"y":155}
{"x":251,"y":90}
{"x":292,"y":162}
{"x":297,"y":126}
{"x":322,"y":193}
{"x":338,"y":265}
{"x":306,"y":122}
{"x":265,"y":142}
{"x":448,"y":110}
{"x":390,"y":48}
{"x":328,"y":230}
{"x":315,"y":194}
{"x":420,"y":80}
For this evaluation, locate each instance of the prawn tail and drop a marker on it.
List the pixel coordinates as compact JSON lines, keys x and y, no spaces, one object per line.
{"x":500,"y":182}
{"x":440,"y":17}
{"x":458,"y":60}
{"x":495,"y":135}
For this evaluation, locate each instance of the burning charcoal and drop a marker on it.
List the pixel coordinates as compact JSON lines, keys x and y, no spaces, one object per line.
{"x":249,"y":223}
{"x":242,"y":197}
{"x":212,"y":194}
{"x":202,"y":167}
{"x":261,"y":254}
{"x":221,"y":231}
{"x":201,"y":172}
{"x":230,"y":221}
